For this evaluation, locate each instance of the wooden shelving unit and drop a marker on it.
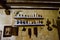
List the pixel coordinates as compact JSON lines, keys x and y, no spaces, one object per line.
{"x":28,"y":17}
{"x":29,"y":25}
{"x":27,"y":20}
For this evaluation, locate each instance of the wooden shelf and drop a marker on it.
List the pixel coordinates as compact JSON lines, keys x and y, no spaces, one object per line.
{"x":28,"y":17}
{"x":29,"y":25}
{"x":19,"y":17}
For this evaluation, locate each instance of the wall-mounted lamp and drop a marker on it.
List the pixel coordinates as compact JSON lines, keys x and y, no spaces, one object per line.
{"x":7,"y":12}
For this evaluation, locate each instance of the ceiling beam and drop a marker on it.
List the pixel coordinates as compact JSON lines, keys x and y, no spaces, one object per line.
{"x":34,"y":2}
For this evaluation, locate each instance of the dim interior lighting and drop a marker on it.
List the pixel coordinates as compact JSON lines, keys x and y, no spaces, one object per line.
{"x":7,"y":12}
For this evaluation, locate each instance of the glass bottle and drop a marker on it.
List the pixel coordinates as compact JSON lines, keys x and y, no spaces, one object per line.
{"x":24,"y":22}
{"x":35,"y":14}
{"x":34,"y":22}
{"x":22,"y":15}
{"x":39,"y":15}
{"x":17,"y":21}
{"x":19,"y":15}
{"x":20,"y":21}
{"x":28,"y":22}
{"x":25,"y":15}
{"x":41,"y":22}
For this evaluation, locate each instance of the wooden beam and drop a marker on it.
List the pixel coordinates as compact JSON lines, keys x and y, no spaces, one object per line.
{"x":33,"y":0}
{"x":32,"y":5}
{"x":35,"y":3}
{"x":17,"y":2}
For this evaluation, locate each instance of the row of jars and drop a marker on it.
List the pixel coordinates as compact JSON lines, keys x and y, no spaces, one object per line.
{"x":25,"y":15}
{"x":28,"y":22}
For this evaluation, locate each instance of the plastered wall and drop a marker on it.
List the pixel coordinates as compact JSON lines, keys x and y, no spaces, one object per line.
{"x":43,"y":34}
{"x":5,"y":20}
